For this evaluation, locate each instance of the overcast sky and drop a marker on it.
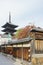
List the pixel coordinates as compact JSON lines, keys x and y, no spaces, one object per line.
{"x":23,"y":12}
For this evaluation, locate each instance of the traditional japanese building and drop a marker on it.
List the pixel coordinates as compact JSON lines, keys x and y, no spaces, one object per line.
{"x":29,"y":48}
{"x":19,"y":49}
{"x":37,"y":46}
{"x":9,"y":28}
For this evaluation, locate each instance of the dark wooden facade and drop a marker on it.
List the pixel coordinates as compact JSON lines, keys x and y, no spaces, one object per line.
{"x":19,"y":50}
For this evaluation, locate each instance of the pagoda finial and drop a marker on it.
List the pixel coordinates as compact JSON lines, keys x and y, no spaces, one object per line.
{"x":9,"y":17}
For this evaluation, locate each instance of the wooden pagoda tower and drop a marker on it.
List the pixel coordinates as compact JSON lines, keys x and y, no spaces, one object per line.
{"x":9,"y":28}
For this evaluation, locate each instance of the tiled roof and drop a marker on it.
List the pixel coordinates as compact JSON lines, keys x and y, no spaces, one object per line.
{"x":20,"y":40}
{"x":37,"y":29}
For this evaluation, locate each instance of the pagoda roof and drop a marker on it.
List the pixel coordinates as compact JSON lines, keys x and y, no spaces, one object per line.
{"x":9,"y":25}
{"x":9,"y":30}
{"x":8,"y":33}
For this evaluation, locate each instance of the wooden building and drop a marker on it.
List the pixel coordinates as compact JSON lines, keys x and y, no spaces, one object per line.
{"x":27,"y":48}
{"x":19,"y":48}
{"x":37,"y":47}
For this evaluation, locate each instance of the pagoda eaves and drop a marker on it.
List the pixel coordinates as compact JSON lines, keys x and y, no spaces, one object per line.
{"x":9,"y":30}
{"x":9,"y":25}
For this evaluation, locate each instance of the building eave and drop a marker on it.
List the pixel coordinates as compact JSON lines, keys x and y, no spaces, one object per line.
{"x":37,"y":30}
{"x":20,"y":40}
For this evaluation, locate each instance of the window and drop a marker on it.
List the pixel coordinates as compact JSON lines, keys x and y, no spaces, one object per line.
{"x":39,"y":46}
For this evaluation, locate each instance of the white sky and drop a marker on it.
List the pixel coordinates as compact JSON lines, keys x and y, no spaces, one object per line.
{"x":23,"y":12}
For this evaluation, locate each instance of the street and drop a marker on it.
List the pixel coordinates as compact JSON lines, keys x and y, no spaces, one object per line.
{"x":5,"y":61}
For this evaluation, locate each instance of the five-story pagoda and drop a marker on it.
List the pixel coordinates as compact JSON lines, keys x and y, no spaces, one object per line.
{"x":9,"y":28}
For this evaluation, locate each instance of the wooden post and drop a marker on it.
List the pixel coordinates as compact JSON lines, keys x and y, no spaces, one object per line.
{"x":33,"y":43}
{"x":31,"y":49}
{"x":22,"y":53}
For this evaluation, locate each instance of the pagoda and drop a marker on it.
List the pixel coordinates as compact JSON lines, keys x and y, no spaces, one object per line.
{"x":9,"y":28}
